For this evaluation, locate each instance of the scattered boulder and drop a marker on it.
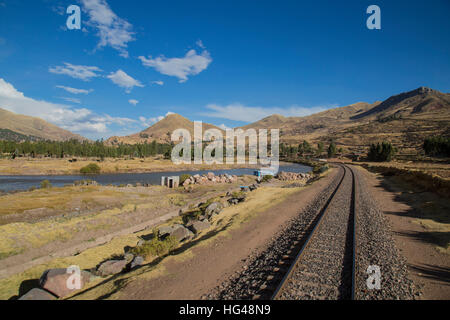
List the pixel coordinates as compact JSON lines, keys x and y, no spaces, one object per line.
{"x":233,"y":201}
{"x":181,"y":233}
{"x":111,"y":267}
{"x":198,"y":226}
{"x":213,"y":208}
{"x":162,"y":231}
{"x":292,"y":176}
{"x":168,"y":230}
{"x":137,"y":261}
{"x":38,"y":294}
{"x":55,"y":281}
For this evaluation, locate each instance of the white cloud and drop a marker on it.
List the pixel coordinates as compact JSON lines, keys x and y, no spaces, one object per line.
{"x":191,"y":64}
{"x":112,"y":30}
{"x":239,"y":112}
{"x":158,"y":82}
{"x":84,"y":73}
{"x":81,"y":120}
{"x":123,"y":80}
{"x":73,"y":100}
{"x":74,"y":90}
{"x":200,"y":44}
{"x":133,"y":102}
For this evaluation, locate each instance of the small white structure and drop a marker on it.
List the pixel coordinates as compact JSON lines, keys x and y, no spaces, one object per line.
{"x":170,"y":182}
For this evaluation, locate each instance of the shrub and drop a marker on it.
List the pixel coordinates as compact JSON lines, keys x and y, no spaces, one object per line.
{"x":183,"y":178}
{"x":156,"y":247}
{"x":332,"y":150}
{"x":91,"y":168}
{"x":267,"y":178}
{"x":381,"y":152}
{"x":320,"y":168}
{"x":437,"y":146}
{"x":46,"y":184}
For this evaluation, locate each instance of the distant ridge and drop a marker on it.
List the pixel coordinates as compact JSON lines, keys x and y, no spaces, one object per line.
{"x":405,"y":119}
{"x":34,"y":127}
{"x":420,"y":100}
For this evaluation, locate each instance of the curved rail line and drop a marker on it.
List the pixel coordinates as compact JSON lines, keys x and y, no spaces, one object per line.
{"x":349,"y":266}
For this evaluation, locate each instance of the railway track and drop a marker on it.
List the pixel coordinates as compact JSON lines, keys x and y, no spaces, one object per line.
{"x":324,"y":266}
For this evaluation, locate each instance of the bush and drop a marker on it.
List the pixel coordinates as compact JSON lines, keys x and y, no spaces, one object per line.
{"x":321,"y":168}
{"x":381,"y":152}
{"x":156,"y":247}
{"x":91,"y":168}
{"x":267,"y":178}
{"x":437,"y":146}
{"x":46,"y":184}
{"x":332,"y":150}
{"x":183,"y":178}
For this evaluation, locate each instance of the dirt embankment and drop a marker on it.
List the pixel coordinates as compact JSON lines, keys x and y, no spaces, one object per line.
{"x":431,"y":178}
{"x":420,"y":221}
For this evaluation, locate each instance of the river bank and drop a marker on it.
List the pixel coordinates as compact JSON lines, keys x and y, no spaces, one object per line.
{"x":67,"y":166}
{"x":17,"y":183}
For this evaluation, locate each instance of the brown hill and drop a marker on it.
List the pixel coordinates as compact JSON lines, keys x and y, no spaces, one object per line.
{"x":34,"y":127}
{"x":161,"y":131}
{"x":421,"y":100}
{"x":405,"y":119}
{"x":295,"y":129}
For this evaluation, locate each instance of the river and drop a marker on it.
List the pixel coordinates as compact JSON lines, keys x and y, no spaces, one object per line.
{"x":20,"y":183}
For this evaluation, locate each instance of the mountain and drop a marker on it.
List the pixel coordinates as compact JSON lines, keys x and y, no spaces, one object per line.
{"x":32,"y":128}
{"x":295,"y":129}
{"x":421,"y":100}
{"x":405,"y":119}
{"x":161,"y":131}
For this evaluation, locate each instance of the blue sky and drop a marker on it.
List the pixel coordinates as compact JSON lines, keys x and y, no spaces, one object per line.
{"x":223,"y":62}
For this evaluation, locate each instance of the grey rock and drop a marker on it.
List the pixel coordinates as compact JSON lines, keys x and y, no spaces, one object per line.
{"x":213,"y":208}
{"x":181,"y":233}
{"x":111,"y":267}
{"x":137,"y":261}
{"x":200,"y":226}
{"x":37,"y":294}
{"x":162,"y":231}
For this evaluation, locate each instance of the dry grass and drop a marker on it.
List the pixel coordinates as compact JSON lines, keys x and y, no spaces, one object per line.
{"x":85,"y":260}
{"x":64,"y":167}
{"x":112,"y":208}
{"x":420,"y":175}
{"x":229,"y":219}
{"x":61,"y":198}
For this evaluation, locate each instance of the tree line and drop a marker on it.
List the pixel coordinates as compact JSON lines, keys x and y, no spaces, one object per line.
{"x":437,"y":146}
{"x":75,"y":148}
